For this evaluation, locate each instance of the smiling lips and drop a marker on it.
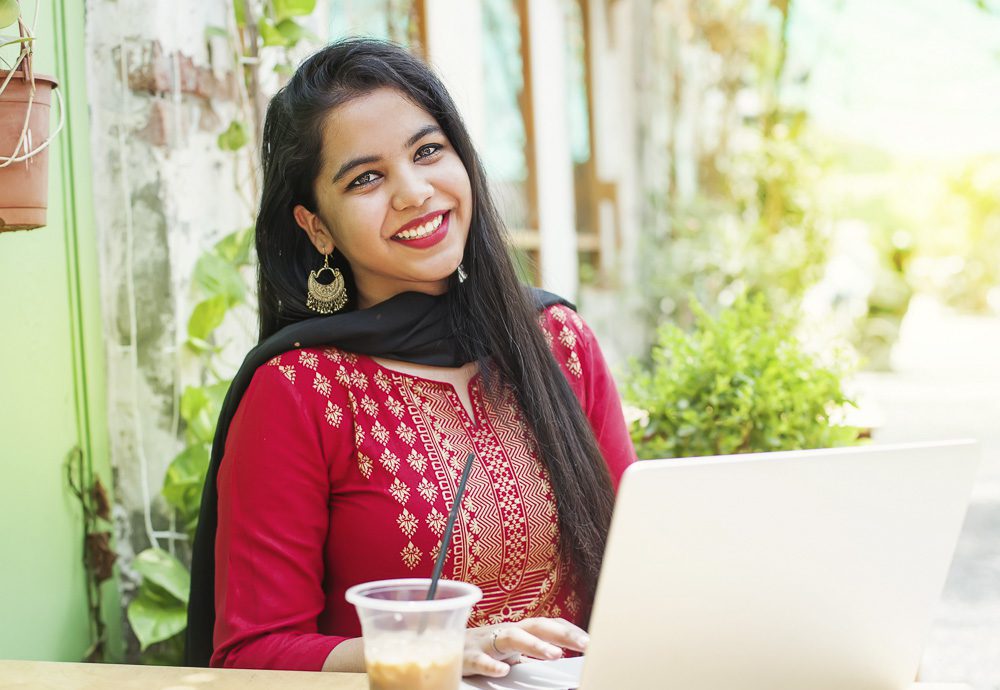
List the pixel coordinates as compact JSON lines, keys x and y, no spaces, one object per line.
{"x":427,"y":234}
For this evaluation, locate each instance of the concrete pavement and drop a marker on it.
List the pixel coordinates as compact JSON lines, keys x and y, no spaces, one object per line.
{"x":946,"y":384}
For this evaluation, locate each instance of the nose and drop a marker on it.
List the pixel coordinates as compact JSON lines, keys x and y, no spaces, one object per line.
{"x":411,"y":191}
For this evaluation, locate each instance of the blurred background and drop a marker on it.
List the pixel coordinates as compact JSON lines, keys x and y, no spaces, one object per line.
{"x":664,"y":163}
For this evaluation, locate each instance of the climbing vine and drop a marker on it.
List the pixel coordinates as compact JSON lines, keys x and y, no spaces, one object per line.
{"x":262,"y":37}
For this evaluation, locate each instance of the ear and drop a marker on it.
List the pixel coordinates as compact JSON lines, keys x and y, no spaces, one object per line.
{"x":314,"y":227}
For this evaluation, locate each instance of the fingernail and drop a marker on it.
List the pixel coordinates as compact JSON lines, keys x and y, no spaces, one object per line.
{"x":582,"y":641}
{"x":553,"y":653}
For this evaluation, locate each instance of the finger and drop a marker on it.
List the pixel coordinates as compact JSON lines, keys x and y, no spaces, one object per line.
{"x":513,"y":640}
{"x":559,"y":632}
{"x":483,"y":664}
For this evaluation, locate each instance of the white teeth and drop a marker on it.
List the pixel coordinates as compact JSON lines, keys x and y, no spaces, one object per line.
{"x":422,"y":230}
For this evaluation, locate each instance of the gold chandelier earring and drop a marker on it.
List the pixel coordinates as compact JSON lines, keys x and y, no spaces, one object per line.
{"x":326,"y":298}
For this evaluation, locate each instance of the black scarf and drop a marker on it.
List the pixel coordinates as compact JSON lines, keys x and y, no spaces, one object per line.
{"x":410,"y":327}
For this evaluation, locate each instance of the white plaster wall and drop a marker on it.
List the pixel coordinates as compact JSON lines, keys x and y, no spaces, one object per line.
{"x":163,"y":192}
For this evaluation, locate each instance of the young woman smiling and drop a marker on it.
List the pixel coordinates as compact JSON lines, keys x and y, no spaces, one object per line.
{"x":344,"y":434}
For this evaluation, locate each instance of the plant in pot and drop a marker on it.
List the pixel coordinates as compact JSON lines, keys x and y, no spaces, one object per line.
{"x":24,"y":124}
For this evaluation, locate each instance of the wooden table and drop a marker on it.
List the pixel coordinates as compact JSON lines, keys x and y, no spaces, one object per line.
{"x":49,"y":675}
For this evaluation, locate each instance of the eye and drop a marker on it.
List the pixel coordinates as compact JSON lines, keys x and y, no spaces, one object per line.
{"x":363,"y":180}
{"x":428,"y":150}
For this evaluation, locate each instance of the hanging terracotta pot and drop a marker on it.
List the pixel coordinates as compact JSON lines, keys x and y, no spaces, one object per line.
{"x":24,"y":181}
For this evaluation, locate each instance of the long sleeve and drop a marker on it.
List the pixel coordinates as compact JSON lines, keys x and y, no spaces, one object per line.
{"x":274,"y":487}
{"x":576,"y":349}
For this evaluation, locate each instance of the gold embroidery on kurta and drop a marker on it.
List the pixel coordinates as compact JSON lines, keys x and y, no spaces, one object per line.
{"x":359,"y":380}
{"x":573,"y":364}
{"x":397,"y":408}
{"x":567,"y":337}
{"x":417,"y":461}
{"x":411,"y":555}
{"x":404,"y":432}
{"x":400,"y":491}
{"x":427,"y":490}
{"x":334,"y":414}
{"x":365,"y":465}
{"x":407,"y":522}
{"x":380,"y":433}
{"x":390,"y":461}
{"x":322,"y":384}
{"x":369,"y":406}
{"x":382,"y":381}
{"x":436,"y":521}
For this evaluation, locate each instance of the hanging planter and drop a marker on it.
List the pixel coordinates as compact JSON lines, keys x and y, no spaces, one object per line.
{"x":25,"y":98}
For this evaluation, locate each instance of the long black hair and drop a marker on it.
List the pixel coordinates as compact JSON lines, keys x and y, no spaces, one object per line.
{"x":492,"y":315}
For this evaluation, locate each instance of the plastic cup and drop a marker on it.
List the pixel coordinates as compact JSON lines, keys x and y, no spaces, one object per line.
{"x":412,"y":643}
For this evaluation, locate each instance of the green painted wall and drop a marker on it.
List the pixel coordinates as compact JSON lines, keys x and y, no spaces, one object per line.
{"x":52,"y":384}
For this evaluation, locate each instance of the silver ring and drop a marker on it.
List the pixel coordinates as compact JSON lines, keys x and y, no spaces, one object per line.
{"x":493,"y":641}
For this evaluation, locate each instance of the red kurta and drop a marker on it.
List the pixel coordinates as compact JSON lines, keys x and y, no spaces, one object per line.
{"x":338,"y":471}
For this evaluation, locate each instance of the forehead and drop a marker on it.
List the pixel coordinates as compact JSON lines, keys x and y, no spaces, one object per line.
{"x":375,"y":124}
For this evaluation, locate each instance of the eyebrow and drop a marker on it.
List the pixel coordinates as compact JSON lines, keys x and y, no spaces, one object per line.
{"x":364,"y":160}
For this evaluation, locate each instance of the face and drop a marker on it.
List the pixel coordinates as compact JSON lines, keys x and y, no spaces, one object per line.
{"x":392,"y":196}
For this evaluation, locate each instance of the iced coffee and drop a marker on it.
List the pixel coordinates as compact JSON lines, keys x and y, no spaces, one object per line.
{"x":415,"y":661}
{"x":412,"y":643}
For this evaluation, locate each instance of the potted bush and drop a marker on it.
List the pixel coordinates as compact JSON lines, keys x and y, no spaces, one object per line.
{"x":24,"y":125}
{"x":737,"y":383}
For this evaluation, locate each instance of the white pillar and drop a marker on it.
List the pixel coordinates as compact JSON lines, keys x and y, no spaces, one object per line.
{"x":615,"y":143}
{"x":455,"y":51}
{"x":553,"y":157}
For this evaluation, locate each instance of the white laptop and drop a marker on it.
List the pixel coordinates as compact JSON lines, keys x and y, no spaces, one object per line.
{"x":804,"y":570}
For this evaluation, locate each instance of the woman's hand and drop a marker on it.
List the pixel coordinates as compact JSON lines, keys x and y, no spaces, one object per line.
{"x":492,"y":649}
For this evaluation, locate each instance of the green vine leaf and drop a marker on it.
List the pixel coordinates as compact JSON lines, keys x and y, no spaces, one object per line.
{"x":202,"y":347}
{"x":194,"y":411}
{"x":185,"y":478}
{"x":10,"y":10}
{"x":235,"y":137}
{"x":166,"y":572}
{"x":292,"y":31}
{"x":284,"y":9}
{"x":216,"y":276}
{"x":270,"y":35}
{"x":207,"y":316}
{"x":200,"y":407}
{"x":154,"y":621}
{"x":235,"y":247}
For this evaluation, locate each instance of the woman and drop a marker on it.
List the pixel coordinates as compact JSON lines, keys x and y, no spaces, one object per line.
{"x":343,"y":436}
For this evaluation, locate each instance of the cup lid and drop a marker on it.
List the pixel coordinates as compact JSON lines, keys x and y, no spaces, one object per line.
{"x":366,"y":595}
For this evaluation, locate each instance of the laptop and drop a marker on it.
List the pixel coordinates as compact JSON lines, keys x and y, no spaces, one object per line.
{"x":798,"y":570}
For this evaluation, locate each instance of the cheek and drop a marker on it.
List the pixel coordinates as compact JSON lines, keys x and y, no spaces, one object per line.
{"x":359,"y":218}
{"x":461,"y":185}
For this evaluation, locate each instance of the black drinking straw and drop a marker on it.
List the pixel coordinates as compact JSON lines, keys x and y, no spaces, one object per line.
{"x":446,"y":539}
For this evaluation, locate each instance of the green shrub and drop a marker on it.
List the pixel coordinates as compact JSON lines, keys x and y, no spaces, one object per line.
{"x":738,"y":383}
